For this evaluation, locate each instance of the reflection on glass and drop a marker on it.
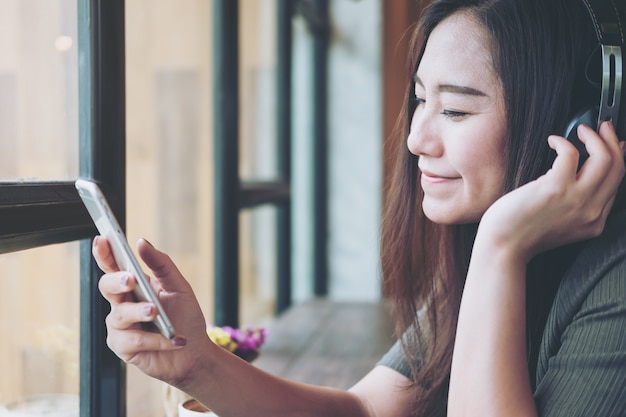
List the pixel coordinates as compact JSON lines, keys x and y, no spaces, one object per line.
{"x":258,"y":267}
{"x":38,"y":89}
{"x":168,"y":150}
{"x":39,"y":323}
{"x":257,"y":77}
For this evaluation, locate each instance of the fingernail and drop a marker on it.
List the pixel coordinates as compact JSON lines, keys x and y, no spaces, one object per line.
{"x":124,"y":280}
{"x":95,"y":241}
{"x":179,"y":341}
{"x":147,"y":310}
{"x":610,"y":124}
{"x":148,"y":242}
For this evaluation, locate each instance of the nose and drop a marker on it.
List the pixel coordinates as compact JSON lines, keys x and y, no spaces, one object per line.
{"x":423,"y":139}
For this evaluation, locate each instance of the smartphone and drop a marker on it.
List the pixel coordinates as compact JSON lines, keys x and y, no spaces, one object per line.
{"x":107,"y":225}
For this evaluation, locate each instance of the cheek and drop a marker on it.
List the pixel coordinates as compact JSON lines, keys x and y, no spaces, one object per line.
{"x":484,"y":169}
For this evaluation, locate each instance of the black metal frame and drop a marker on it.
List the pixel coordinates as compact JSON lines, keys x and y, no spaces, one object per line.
{"x":226,"y":151}
{"x":283,"y":122}
{"x":320,"y":28}
{"x":102,"y":127}
{"x":40,"y":213}
{"x":231,"y":194}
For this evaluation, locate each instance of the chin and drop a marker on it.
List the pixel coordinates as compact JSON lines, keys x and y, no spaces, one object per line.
{"x":449,"y":216}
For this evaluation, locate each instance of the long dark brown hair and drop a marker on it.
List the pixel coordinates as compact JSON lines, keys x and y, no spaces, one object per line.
{"x":540,"y":49}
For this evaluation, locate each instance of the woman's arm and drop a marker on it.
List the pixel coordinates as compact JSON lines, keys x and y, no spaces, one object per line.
{"x":224,"y":382}
{"x":489,"y":370}
{"x":489,"y":374}
{"x":235,"y":388}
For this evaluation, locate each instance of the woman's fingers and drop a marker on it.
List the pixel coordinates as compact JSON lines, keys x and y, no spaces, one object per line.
{"x":103,"y":255}
{"x":125,"y":315}
{"x":605,"y":156}
{"x":566,"y":204}
{"x":604,"y":170}
{"x":128,"y":344}
{"x":163,"y":268}
{"x":596,"y":184}
{"x":566,"y":162}
{"x":117,"y":287}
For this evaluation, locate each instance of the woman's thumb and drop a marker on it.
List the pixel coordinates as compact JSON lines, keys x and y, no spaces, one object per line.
{"x":162,"y":266}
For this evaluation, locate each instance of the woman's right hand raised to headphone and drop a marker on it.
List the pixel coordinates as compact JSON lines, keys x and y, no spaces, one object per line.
{"x":565,"y":204}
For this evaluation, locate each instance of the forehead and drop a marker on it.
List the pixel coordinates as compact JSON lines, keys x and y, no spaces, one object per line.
{"x":458,"y":50}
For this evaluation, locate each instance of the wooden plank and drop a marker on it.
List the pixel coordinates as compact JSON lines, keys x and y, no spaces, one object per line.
{"x":329,"y":343}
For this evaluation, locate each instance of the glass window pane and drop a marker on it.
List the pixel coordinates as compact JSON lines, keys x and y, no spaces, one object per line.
{"x":258,"y":268}
{"x":38,"y":89}
{"x":39,"y":321}
{"x":258,"y":146}
{"x":169,"y":153}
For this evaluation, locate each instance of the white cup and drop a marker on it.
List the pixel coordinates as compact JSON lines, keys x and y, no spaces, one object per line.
{"x":192,"y":408}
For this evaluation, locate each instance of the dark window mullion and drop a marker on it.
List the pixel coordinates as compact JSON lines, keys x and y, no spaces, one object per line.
{"x":102,"y":157}
{"x":226,"y":163}
{"x":321,"y":33}
{"x":231,"y":194}
{"x":283,"y":122}
{"x":316,"y":14}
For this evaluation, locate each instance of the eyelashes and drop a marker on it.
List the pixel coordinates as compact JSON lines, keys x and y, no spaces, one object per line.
{"x":454,"y":114}
{"x":415,"y":102}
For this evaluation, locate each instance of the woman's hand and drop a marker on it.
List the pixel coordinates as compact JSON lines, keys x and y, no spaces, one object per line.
{"x":168,"y":360}
{"x":205,"y":371}
{"x":489,"y":373}
{"x":564,"y":205}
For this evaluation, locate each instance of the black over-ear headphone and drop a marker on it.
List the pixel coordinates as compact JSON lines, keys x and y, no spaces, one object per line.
{"x":610,"y":35}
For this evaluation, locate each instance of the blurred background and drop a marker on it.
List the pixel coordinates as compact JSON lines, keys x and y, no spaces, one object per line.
{"x":170,"y":159}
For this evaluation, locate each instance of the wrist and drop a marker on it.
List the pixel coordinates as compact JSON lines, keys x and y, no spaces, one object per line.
{"x":201,"y":364}
{"x":505,"y":239}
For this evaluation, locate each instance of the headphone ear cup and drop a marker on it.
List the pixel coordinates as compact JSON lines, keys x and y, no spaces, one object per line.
{"x":588,"y":117}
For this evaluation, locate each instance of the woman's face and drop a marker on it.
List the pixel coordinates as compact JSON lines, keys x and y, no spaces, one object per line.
{"x":458,"y":129}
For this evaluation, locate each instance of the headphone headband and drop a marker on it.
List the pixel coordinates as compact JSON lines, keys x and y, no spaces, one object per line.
{"x":610,"y":34}
{"x":606,"y":21}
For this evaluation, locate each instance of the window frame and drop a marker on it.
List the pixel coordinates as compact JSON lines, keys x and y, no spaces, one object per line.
{"x":39,"y":213}
{"x":231,"y":193}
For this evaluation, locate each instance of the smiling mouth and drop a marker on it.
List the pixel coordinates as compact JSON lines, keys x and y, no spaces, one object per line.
{"x":435,"y":177}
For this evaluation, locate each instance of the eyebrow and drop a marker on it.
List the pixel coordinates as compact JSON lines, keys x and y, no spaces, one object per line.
{"x":452,"y":88}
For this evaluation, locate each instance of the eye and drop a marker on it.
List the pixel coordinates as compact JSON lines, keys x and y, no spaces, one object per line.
{"x":454,"y":114}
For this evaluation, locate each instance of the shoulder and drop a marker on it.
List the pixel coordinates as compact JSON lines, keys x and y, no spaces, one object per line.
{"x":584,"y":342}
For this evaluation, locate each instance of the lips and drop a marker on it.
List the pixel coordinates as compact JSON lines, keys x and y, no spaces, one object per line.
{"x":435,"y":176}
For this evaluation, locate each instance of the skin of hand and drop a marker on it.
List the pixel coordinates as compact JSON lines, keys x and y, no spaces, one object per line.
{"x":489,"y":374}
{"x":209,"y":373}
{"x":150,"y":351}
{"x":563,"y":205}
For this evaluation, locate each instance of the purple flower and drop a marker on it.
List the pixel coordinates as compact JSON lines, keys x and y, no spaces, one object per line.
{"x":248,"y":340}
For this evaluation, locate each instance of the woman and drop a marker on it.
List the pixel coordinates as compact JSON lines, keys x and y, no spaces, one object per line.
{"x":480,"y":231}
